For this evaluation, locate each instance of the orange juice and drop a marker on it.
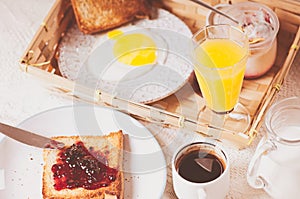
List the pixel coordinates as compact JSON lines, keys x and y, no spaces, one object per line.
{"x":220,"y":72}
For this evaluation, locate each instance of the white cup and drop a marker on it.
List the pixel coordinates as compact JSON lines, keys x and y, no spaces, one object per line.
{"x":206,"y":189}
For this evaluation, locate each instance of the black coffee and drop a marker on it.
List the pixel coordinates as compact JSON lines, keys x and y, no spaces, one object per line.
{"x":191,"y":169}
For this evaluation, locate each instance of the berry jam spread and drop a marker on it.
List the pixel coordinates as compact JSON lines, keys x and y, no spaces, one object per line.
{"x":79,"y":167}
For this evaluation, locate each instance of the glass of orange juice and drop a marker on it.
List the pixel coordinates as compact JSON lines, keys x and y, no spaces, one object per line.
{"x":220,"y":54}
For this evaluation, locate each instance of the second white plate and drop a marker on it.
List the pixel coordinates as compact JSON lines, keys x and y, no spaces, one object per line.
{"x":83,"y":57}
{"x":144,"y":163}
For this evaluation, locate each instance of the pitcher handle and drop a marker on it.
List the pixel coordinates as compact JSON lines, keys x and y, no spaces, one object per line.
{"x":253,"y":178}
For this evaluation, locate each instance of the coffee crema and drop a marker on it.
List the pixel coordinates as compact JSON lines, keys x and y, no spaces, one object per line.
{"x":190,"y":169}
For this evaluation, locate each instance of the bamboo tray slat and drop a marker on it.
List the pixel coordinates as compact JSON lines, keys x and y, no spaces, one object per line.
{"x":40,"y":60}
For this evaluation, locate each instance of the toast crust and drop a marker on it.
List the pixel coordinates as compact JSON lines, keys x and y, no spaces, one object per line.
{"x":98,"y":15}
{"x":111,"y":145}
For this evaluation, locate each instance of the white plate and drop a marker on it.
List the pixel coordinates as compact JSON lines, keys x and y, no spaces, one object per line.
{"x":144,"y":163}
{"x":88,"y":59}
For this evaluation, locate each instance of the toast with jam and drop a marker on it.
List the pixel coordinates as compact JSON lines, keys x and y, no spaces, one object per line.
{"x":87,"y":167}
{"x":98,"y":15}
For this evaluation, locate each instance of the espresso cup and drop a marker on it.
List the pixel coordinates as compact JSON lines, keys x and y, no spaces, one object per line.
{"x":201,"y":170}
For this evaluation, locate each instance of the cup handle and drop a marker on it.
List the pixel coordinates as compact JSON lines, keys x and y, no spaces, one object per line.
{"x":253,"y":178}
{"x":201,"y":193}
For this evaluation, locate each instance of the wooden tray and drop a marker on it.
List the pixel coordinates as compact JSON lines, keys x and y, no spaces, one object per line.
{"x":40,"y":60}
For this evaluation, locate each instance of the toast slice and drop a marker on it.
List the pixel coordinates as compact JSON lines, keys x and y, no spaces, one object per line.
{"x":107,"y":149}
{"x":99,"y":15}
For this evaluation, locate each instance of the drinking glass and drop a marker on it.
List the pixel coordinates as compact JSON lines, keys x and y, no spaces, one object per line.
{"x":220,"y":54}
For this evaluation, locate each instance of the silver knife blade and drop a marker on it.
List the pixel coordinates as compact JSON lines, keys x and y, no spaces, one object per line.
{"x":29,"y":138}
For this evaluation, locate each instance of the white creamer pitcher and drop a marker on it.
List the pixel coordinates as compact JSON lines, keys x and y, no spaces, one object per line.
{"x":275,"y":166}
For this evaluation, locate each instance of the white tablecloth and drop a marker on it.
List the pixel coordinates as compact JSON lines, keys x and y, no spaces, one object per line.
{"x":23,"y":96}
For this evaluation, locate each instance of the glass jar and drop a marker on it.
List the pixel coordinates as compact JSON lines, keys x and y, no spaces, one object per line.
{"x":261,"y":25}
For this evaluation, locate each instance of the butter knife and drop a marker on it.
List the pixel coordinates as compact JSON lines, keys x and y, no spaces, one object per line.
{"x":29,"y":138}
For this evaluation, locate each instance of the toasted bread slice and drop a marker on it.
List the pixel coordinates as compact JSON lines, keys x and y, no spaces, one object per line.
{"x":111,"y":146}
{"x":99,"y":15}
